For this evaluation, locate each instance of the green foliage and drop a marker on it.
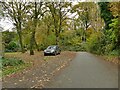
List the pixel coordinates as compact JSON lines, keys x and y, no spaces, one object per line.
{"x":8,"y":36}
{"x":80,"y":47}
{"x":12,"y":65}
{"x":12,"y":46}
{"x":75,"y":41}
{"x":17,"y":13}
{"x":14,"y":68}
{"x":114,"y":53}
{"x":11,"y":62}
{"x":49,"y":24}
{"x":114,"y":31}
{"x":95,"y":43}
{"x":11,"y":70}
{"x":105,"y":43}
{"x":48,"y":40}
{"x":105,"y":13}
{"x":42,"y":47}
{"x":10,"y":41}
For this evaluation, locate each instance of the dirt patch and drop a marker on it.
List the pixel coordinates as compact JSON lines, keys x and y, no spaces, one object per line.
{"x":43,"y":68}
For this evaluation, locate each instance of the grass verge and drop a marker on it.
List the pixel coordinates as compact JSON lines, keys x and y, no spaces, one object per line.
{"x":13,"y":69}
{"x":12,"y":66}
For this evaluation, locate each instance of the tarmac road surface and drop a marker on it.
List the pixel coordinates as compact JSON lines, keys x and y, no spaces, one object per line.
{"x":87,"y":71}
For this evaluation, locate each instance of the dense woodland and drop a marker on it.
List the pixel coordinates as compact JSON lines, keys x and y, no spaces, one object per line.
{"x":84,"y":26}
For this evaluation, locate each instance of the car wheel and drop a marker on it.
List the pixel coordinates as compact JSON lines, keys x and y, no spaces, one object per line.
{"x":55,"y":54}
{"x":59,"y":52}
{"x":44,"y":54}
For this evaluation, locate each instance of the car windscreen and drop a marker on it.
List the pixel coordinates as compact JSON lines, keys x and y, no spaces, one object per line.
{"x":51,"y":47}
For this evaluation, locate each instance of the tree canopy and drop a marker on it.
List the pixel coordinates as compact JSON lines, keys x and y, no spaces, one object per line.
{"x":85,"y":26}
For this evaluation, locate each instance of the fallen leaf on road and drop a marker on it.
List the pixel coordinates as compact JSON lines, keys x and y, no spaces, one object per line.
{"x":20,"y":80}
{"x":40,"y":81}
{"x":33,"y":81}
{"x":15,"y":83}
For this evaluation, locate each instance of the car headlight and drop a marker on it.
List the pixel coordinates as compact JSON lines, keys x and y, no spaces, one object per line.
{"x":44,"y":50}
{"x":52,"y":51}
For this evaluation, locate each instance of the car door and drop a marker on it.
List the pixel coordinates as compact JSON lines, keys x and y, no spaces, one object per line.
{"x":59,"y":50}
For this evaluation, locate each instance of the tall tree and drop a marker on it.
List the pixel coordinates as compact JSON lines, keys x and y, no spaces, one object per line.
{"x":83,"y":10}
{"x":59,"y":11}
{"x":1,"y":44}
{"x":115,"y":25}
{"x":48,"y":21}
{"x":1,"y":29}
{"x":38,"y":10}
{"x":105,"y":13}
{"x":16,"y":11}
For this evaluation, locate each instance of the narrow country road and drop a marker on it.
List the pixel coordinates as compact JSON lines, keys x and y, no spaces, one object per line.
{"x":87,"y":71}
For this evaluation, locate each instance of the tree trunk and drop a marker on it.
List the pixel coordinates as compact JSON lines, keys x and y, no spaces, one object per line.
{"x":20,"y":37}
{"x":32,"y":43}
{"x":20,"y":34}
{"x":57,"y":40}
{"x":36,"y":44}
{"x":118,"y":44}
{"x":1,"y":47}
{"x":19,"y":29}
{"x":48,"y":31}
{"x":20,"y":41}
{"x":32,"y":40}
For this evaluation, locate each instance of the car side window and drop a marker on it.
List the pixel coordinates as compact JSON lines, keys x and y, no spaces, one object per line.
{"x":57,"y":47}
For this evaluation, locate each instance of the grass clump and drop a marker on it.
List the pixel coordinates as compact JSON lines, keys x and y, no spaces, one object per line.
{"x":11,"y":62}
{"x":12,"y":65}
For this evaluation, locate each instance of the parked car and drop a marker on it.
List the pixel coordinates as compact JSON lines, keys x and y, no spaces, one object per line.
{"x":54,"y":50}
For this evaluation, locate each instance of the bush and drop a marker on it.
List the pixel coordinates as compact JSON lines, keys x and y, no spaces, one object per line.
{"x":11,"y":47}
{"x":114,"y":53}
{"x":42,"y":47}
{"x":80,"y":47}
{"x":95,"y":43}
{"x":11,"y":62}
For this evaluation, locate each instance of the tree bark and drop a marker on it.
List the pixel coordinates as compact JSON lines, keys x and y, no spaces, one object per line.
{"x":57,"y":39}
{"x":20,"y":41}
{"x":32,"y":43}
{"x":20,"y":29}
{"x":32,"y":40}
{"x":36,"y":44}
